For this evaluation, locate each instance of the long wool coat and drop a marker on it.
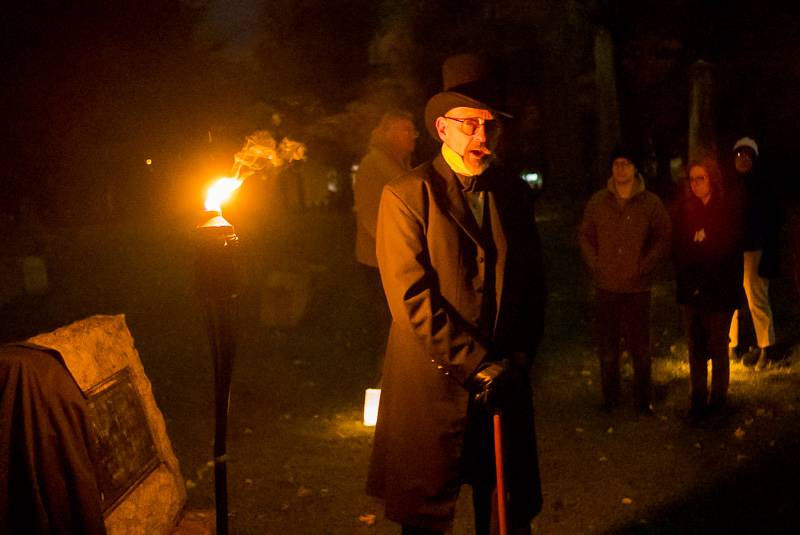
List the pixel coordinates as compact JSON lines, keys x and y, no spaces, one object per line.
{"x":436,"y":266}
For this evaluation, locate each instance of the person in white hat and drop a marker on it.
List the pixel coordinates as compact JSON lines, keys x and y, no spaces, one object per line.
{"x":460,"y":260}
{"x":761,"y":227}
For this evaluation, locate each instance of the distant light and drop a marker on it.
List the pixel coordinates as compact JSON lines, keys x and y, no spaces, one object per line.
{"x":333,"y":187}
{"x":372,"y":399}
{"x":533,"y":178}
{"x":148,"y":161}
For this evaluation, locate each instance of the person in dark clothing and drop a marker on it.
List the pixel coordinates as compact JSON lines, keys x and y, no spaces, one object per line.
{"x":761,"y":229}
{"x":707,"y":253}
{"x":460,"y":260}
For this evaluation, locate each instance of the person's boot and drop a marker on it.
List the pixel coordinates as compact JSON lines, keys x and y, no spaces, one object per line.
{"x":763,"y":359}
{"x":734,"y":355}
{"x":751,"y":357}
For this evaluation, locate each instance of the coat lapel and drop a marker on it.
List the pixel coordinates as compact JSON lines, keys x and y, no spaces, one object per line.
{"x":501,"y":248}
{"x":456,"y":205}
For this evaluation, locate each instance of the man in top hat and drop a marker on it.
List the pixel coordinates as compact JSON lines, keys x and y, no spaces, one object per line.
{"x":624,"y":234}
{"x":460,"y":261}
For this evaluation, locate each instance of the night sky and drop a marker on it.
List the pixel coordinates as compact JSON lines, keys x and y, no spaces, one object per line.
{"x":92,"y":91}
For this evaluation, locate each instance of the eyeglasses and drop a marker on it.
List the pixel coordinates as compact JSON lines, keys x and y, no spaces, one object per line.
{"x":698,"y":178}
{"x":470,"y":125}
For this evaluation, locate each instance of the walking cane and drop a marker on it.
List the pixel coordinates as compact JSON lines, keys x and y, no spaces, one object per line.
{"x":498,"y":464}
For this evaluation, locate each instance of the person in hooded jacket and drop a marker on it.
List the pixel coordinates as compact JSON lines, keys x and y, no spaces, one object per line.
{"x":707,"y":254}
{"x":623,"y":236}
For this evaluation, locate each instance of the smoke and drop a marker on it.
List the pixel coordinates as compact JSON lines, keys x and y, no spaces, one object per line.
{"x":261,"y":152}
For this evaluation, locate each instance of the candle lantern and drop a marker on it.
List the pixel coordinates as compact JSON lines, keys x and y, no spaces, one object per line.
{"x":372,"y":399}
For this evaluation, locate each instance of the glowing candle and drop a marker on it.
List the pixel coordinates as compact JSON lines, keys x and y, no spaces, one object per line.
{"x":372,"y":399}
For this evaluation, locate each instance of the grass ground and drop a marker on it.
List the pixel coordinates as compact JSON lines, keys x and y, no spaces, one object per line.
{"x":298,"y":453}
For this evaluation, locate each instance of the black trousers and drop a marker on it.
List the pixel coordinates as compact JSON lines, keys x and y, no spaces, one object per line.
{"x":377,"y":317}
{"x":708,"y":340}
{"x":624,"y":316}
{"x":479,"y":473}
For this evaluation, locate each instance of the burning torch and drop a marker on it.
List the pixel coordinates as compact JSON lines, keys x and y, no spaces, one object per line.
{"x":217,"y":286}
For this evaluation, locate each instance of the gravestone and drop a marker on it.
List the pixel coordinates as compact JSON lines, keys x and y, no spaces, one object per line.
{"x":142,"y":490}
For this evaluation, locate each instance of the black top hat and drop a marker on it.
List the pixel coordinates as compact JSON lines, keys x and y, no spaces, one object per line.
{"x":467,"y":83}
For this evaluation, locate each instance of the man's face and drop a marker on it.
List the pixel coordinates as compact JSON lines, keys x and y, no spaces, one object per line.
{"x":743,"y":159}
{"x":623,"y":171}
{"x":471,"y":132}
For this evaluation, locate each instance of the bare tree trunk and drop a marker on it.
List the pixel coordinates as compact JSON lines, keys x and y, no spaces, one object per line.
{"x":608,"y":124}
{"x":702,"y":127}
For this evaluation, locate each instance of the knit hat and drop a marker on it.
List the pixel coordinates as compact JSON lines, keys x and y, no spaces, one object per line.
{"x":746,"y":142}
{"x":624,"y":151}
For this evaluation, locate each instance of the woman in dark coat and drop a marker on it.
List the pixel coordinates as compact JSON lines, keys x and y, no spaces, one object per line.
{"x":707,"y":251}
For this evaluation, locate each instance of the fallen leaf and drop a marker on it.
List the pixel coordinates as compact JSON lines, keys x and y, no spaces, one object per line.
{"x":579,"y":429}
{"x":602,"y":458}
{"x":698,"y":445}
{"x":302,"y":492}
{"x":610,"y":430}
{"x":190,"y":484}
{"x":367,"y":518}
{"x":739,"y":433}
{"x":627,"y":501}
{"x":586,"y":373}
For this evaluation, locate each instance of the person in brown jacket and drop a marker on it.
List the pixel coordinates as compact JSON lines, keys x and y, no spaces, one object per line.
{"x":460,"y":260}
{"x":391,"y":145}
{"x":624,"y":234}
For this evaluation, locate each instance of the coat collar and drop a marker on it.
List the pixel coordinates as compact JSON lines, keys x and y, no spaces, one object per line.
{"x":638,"y":187}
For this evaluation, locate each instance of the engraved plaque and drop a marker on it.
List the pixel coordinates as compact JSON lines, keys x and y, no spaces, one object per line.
{"x":125,"y":451}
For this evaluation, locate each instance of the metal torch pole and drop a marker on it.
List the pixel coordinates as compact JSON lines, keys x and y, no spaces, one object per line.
{"x":216,"y":277}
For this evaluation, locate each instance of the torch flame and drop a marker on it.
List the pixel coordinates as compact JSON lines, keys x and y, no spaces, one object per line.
{"x":220,"y":191}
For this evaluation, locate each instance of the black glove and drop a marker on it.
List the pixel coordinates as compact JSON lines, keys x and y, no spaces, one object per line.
{"x":489,"y":381}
